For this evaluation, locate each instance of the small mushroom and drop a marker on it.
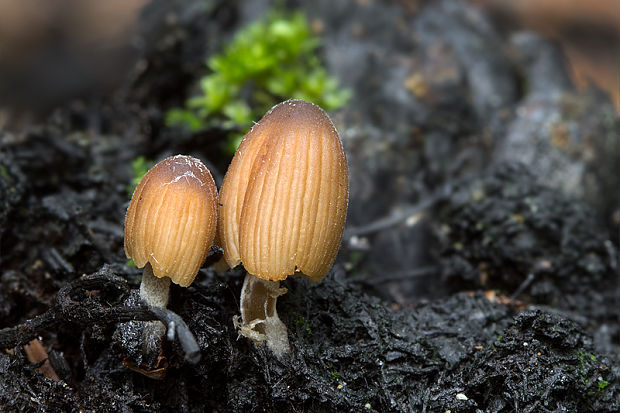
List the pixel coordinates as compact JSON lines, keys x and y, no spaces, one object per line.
{"x":283,"y":205}
{"x":169,"y":228}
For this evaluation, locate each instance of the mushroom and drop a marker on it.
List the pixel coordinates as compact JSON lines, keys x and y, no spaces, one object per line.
{"x":283,"y":206}
{"x":169,"y":228}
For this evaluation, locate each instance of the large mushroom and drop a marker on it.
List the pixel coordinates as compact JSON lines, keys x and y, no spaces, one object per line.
{"x":283,"y":206}
{"x":169,"y":228}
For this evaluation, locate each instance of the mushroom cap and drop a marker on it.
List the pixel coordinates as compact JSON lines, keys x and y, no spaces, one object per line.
{"x":283,"y":202}
{"x":171,"y":219}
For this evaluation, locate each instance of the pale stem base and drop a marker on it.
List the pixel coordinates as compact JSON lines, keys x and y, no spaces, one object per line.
{"x":154,"y":291}
{"x":260,"y":322}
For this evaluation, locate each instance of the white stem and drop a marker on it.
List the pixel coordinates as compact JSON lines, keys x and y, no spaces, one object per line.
{"x":154,"y":291}
{"x":260,"y":321}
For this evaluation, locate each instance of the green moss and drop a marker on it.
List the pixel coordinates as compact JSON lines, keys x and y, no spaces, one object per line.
{"x":588,"y":370}
{"x":354,"y":259}
{"x":302,"y":324}
{"x":140,"y":166}
{"x":4,"y":172}
{"x":268,"y":61}
{"x":333,"y":373}
{"x":584,"y":356}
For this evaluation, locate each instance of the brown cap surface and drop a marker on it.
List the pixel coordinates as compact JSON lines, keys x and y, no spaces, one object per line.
{"x":284,"y":199}
{"x":171,"y":219}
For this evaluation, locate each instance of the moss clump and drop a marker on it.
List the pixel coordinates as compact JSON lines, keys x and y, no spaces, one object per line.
{"x":4,"y":173}
{"x":270,"y":60}
{"x":140,"y":167}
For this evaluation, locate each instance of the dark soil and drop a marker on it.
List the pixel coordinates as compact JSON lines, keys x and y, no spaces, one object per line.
{"x":479,"y":268}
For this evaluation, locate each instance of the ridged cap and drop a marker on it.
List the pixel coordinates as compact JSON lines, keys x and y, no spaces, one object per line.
{"x":284,"y":199}
{"x":171,"y":219}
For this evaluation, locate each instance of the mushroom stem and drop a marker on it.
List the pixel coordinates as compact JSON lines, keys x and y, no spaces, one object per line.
{"x":260,"y":322}
{"x":154,"y":291}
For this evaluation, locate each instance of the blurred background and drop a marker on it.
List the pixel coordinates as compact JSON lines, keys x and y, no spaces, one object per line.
{"x":61,"y":49}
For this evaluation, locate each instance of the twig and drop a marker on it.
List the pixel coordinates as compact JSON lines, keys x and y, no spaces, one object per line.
{"x":85,"y":311}
{"x":176,"y":324}
{"x":23,"y":333}
{"x":402,"y":215}
{"x":525,"y":284}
